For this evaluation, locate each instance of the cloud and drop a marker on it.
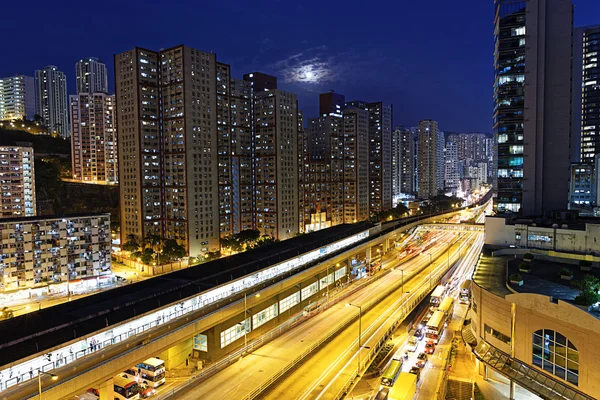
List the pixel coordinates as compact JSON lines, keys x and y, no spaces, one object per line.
{"x":318,"y":65}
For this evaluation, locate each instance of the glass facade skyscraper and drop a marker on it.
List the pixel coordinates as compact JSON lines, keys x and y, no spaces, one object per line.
{"x":509,"y":101}
{"x":532,"y":104}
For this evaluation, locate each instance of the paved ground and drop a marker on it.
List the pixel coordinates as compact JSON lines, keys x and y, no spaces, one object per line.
{"x":312,"y":379}
{"x":544,"y":278}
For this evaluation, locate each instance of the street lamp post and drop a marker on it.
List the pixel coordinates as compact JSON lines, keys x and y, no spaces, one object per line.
{"x":243,"y":323}
{"x":359,"y":333}
{"x":40,"y":373}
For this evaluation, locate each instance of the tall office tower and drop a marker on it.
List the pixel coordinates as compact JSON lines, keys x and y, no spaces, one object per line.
{"x":429,"y":159}
{"x":355,"y":130}
{"x":167,"y":134}
{"x":17,"y":179}
{"x":380,"y":154}
{"x":17,"y":98}
{"x":532,"y":104}
{"x":94,"y":137}
{"x":91,"y":76}
{"x":331,"y":104}
{"x":586,"y":91}
{"x":51,"y":99}
{"x":451,"y":175}
{"x":403,"y":161}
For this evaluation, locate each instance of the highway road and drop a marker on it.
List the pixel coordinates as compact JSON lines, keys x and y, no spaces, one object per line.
{"x":253,"y":370}
{"x":336,"y":363}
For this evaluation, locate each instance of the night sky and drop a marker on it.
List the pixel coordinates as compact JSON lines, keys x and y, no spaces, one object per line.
{"x":429,"y":58}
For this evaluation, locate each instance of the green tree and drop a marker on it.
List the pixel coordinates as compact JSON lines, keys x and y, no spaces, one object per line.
{"x":248,"y":236}
{"x":173,"y":250}
{"x":147,"y":256}
{"x":130,"y":246}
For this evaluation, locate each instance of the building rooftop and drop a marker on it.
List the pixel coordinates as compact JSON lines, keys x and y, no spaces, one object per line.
{"x":58,"y":216}
{"x":564,"y":220}
{"x":492,"y":274}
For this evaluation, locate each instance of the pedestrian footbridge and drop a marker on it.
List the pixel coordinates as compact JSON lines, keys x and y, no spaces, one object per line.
{"x":463,"y":228}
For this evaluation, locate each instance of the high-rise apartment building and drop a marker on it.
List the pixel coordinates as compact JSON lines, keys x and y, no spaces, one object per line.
{"x":94,"y":137}
{"x":532,"y":104}
{"x":356,"y":184}
{"x":451,"y":162}
{"x":51,"y":99}
{"x":336,"y":170}
{"x":17,"y":179}
{"x":380,"y":154}
{"x":403,"y":162}
{"x":331,"y":104}
{"x":429,"y":159}
{"x":275,"y":115}
{"x":17,"y":98}
{"x":167,"y":135}
{"x":38,"y":251}
{"x":92,"y":76}
{"x":203,"y":155}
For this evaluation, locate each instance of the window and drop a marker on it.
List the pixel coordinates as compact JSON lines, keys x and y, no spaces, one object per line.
{"x":235,"y":332}
{"x":264,"y":316}
{"x":557,"y":355}
{"x":498,"y":335}
{"x":310,"y":290}
{"x":289,"y":302}
{"x":200,"y":342}
{"x":325,"y":281}
{"x":340,"y":273}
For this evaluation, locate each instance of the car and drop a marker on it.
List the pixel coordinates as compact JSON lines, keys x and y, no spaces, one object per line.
{"x":421,"y":360}
{"x":146,"y":390}
{"x":94,"y":391}
{"x":415,"y":371}
{"x":412,"y":344}
{"x":419,"y":334}
{"x":429,"y":347}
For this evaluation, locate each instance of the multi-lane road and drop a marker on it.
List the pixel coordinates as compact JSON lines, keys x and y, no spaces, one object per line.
{"x":325,"y":371}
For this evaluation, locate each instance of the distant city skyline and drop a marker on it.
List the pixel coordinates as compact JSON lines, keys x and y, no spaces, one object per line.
{"x":427,"y":74}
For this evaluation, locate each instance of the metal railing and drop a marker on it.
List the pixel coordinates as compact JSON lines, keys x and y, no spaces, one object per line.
{"x":366,"y":307}
{"x":273,"y":334}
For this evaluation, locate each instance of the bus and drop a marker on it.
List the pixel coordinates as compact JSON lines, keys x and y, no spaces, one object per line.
{"x":447,"y":307}
{"x":391,"y":373}
{"x":405,"y":387}
{"x":465,"y":291}
{"x":152,"y":371}
{"x":437,"y":295}
{"x":126,"y":388}
{"x":435,"y":326}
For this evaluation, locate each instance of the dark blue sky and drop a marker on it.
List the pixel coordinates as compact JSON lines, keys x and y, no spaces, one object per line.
{"x":430,"y":59}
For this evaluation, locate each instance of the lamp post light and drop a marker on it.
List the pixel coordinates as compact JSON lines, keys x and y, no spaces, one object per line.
{"x":243,"y":323}
{"x":40,"y":373}
{"x":359,"y":333}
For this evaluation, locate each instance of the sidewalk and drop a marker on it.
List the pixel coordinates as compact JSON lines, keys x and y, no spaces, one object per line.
{"x":495,"y":388}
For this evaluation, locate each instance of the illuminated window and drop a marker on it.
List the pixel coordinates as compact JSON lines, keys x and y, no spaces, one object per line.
{"x":264,"y":316}
{"x":235,"y":332}
{"x":289,"y":302}
{"x":310,"y":290}
{"x":557,"y":355}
